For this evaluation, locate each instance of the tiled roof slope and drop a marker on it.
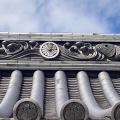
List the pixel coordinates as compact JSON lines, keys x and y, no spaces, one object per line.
{"x":99,"y":92}
{"x":67,"y":76}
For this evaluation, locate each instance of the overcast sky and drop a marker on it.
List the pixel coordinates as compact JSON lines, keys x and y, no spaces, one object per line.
{"x":84,"y":16}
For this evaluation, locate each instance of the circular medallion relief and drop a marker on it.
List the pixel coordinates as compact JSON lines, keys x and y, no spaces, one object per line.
{"x":26,"y":110}
{"x":49,"y":50}
{"x":74,"y":111}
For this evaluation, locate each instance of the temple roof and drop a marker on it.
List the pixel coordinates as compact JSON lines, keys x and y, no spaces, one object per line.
{"x":67,"y":76}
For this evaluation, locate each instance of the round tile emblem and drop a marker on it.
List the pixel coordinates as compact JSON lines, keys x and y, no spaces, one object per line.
{"x":49,"y":50}
{"x":74,"y":111}
{"x":26,"y":109}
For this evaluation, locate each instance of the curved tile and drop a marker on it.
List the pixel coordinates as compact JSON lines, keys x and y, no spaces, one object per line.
{"x":108,"y":88}
{"x":26,"y":87}
{"x":4,"y":82}
{"x":49,"y":99}
{"x":73,"y":88}
{"x":98,"y":111}
{"x":98,"y":93}
{"x":61,"y":91}
{"x":116,"y":84}
{"x":12,"y":94}
{"x":37,"y":92}
{"x":31,"y":107}
{"x":66,"y":108}
{"x":87,"y":96}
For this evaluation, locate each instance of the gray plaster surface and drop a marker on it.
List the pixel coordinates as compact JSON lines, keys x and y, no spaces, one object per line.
{"x":60,"y":37}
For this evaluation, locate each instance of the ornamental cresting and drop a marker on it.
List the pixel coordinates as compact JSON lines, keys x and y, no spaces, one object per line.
{"x":74,"y":51}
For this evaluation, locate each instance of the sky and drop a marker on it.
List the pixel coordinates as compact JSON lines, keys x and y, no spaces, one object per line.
{"x":84,"y":16}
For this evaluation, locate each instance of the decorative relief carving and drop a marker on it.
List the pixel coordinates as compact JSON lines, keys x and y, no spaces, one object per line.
{"x":74,"y":111}
{"x":18,"y":49}
{"x":110,"y":51}
{"x":81,"y":51}
{"x":13,"y":47}
{"x":61,"y":51}
{"x":49,"y":50}
{"x":27,"y":111}
{"x":107,"y":49}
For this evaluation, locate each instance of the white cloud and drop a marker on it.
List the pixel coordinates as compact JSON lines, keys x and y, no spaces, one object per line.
{"x":67,"y":19}
{"x":86,"y":16}
{"x":19,"y":15}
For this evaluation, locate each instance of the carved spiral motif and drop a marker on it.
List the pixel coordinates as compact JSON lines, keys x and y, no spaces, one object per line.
{"x":74,"y":111}
{"x":117,"y":113}
{"x":27,"y":111}
{"x":49,"y":50}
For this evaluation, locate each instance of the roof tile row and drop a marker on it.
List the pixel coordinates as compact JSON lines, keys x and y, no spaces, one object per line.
{"x":84,"y":94}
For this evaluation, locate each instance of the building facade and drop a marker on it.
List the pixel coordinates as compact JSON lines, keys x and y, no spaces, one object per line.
{"x":52,"y":76}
